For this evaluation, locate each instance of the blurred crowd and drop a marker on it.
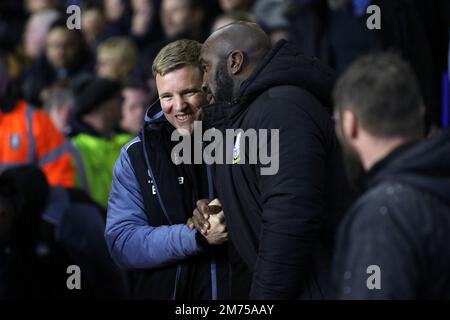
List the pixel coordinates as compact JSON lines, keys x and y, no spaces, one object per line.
{"x":70,"y":99}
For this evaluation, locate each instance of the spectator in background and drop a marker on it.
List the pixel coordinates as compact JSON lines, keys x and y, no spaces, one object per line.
{"x":28,"y":136}
{"x":183,"y":19}
{"x":117,"y":13}
{"x":136,"y":101}
{"x":179,"y":19}
{"x":236,"y":5}
{"x":65,"y":58}
{"x":59,"y":106}
{"x":396,"y":235}
{"x":116,"y":58}
{"x":12,"y":22}
{"x":93,"y":26}
{"x":33,"y":6}
{"x":97,"y":116}
{"x":145,"y":26}
{"x":36,"y":29}
{"x":230,"y":17}
{"x":271,"y":14}
{"x":336,"y":32}
{"x":64,"y":222}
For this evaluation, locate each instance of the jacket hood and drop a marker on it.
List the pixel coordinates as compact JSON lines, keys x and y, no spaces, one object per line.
{"x":154,"y":114}
{"x":286,"y":64}
{"x":425,"y":165}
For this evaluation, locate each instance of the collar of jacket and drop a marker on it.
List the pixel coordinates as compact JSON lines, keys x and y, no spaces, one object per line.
{"x":376,"y":173}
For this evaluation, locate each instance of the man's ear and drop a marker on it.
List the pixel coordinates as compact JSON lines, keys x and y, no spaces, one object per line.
{"x":235,"y":62}
{"x":350,"y":125}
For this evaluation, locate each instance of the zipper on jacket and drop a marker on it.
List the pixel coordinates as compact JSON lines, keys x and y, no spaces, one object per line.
{"x":163,"y":207}
{"x":177,"y":278}
{"x":213,"y":258}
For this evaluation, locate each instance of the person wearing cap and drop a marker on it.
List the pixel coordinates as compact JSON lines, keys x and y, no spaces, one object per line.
{"x":96,"y":117}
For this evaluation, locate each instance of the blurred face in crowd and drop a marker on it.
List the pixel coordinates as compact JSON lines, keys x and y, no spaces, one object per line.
{"x":37,"y":5}
{"x":235,"y":5}
{"x":176,"y":17}
{"x":61,"y":114}
{"x":36,"y":32}
{"x":135,"y":102}
{"x":108,"y":67}
{"x":92,"y":24}
{"x":113,"y":9}
{"x":142,"y":5}
{"x":62,"y":47}
{"x":181,"y":95}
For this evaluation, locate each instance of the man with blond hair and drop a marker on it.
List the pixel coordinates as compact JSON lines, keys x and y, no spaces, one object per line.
{"x":151,"y":198}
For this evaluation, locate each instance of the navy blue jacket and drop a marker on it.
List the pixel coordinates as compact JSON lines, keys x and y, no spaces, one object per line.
{"x":400,"y":225}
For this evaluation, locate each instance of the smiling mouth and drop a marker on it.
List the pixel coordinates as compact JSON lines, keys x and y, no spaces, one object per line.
{"x":183,"y":117}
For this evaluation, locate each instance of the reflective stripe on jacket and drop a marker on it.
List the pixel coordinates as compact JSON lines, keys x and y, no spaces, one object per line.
{"x":28,"y":136}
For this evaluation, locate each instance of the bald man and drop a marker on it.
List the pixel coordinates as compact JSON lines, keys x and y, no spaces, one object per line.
{"x":281,"y":221}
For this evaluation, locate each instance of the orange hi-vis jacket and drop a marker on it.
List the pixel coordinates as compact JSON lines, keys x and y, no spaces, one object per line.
{"x":28,"y":136}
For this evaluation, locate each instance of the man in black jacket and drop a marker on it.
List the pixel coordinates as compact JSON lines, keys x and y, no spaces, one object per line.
{"x":394,"y":242}
{"x":281,"y":223}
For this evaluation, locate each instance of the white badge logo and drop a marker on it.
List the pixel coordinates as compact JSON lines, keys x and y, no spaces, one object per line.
{"x":14,"y":140}
{"x":237,"y":149}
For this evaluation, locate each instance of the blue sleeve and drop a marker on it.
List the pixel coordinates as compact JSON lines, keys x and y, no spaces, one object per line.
{"x":133,"y":243}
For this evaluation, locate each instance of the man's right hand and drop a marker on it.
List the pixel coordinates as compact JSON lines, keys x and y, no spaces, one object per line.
{"x":217,"y":233}
{"x":209,"y":222}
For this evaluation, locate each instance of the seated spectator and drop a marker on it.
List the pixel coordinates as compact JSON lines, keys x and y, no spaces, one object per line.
{"x":33,"y":6}
{"x":36,"y":30}
{"x":97,"y":115}
{"x":183,"y":19}
{"x":231,"y":17}
{"x":51,"y":229}
{"x":117,"y":13}
{"x":145,"y":26}
{"x":136,"y":100}
{"x":64,"y":59}
{"x":59,"y":106}
{"x":93,"y":26}
{"x":271,"y":15}
{"x":116,"y":58}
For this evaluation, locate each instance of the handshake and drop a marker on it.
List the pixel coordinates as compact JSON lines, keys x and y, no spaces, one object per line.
{"x":209,"y":220}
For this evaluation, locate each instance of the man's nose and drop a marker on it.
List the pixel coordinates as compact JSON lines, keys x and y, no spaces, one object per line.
{"x":179,"y":104}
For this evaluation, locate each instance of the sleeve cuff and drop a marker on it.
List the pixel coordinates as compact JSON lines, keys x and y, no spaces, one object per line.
{"x":195,"y":242}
